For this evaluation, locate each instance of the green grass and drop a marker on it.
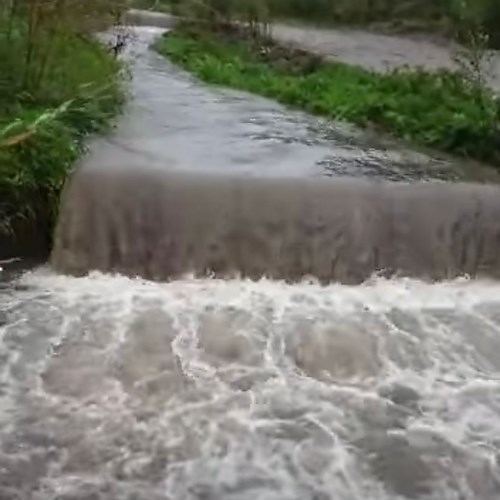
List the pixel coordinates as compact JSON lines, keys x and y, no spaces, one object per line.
{"x":436,"y":110}
{"x":43,"y":128}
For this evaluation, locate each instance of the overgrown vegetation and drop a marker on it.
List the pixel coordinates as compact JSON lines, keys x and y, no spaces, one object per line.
{"x":445,"y":16}
{"x":408,"y":14}
{"x":57,"y":85}
{"x":440,"y":110}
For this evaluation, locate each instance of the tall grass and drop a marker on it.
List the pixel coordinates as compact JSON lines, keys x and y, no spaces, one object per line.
{"x":38,"y":42}
{"x":57,"y":85}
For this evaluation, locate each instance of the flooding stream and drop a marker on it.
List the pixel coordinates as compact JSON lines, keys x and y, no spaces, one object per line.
{"x":119,"y":388}
{"x":176,"y":123}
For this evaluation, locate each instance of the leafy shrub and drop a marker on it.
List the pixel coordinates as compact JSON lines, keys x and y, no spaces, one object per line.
{"x":57,"y":85}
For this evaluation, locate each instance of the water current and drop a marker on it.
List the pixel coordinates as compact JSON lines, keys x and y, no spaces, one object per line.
{"x":119,"y":388}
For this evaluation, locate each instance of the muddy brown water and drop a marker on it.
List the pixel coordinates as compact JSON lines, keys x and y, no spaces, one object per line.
{"x":161,"y":225}
{"x":114,"y":387}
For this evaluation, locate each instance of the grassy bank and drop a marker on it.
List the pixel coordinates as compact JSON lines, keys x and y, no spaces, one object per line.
{"x":57,"y":86}
{"x":436,"y":110}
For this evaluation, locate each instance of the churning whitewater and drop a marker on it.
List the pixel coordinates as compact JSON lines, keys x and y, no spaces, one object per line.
{"x":296,"y":385}
{"x":234,"y":390}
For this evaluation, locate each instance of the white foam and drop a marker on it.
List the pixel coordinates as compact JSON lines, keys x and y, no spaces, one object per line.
{"x":239,"y":389}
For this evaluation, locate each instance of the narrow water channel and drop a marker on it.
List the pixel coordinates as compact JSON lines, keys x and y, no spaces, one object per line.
{"x":174,"y":122}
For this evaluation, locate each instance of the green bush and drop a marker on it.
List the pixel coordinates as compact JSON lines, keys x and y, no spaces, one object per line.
{"x":52,"y":95}
{"x":491,"y":22}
